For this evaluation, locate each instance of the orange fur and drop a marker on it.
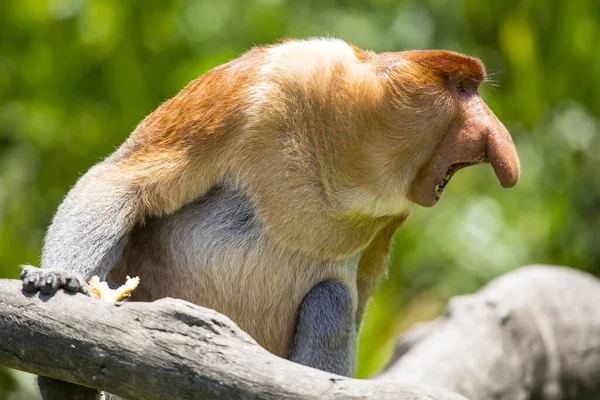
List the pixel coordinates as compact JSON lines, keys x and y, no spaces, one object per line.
{"x":448,"y":65}
{"x":331,"y":143}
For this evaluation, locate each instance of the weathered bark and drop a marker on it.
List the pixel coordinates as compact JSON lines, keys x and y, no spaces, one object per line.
{"x":530,"y":334}
{"x":168,"y":349}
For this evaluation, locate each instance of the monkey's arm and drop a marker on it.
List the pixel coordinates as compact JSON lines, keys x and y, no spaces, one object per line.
{"x":87,"y":234}
{"x":86,"y":238}
{"x":172,"y":158}
{"x":373,"y":263}
{"x":90,"y":227}
{"x":325,"y":335}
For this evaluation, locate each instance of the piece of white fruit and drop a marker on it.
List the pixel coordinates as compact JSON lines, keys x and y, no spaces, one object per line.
{"x":100,"y":290}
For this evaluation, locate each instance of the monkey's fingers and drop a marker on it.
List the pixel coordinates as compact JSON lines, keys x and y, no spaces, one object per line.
{"x":47,"y":281}
{"x":30,"y":277}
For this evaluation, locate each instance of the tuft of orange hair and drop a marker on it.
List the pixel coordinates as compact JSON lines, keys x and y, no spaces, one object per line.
{"x":447,"y":64}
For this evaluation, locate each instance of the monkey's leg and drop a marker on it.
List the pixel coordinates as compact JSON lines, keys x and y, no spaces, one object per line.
{"x":325,"y":335}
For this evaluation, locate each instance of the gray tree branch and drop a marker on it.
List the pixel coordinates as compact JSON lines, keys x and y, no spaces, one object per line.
{"x":168,"y":349}
{"x":530,"y":334}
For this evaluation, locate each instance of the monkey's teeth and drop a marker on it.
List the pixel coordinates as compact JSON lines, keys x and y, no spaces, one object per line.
{"x":439,"y":187}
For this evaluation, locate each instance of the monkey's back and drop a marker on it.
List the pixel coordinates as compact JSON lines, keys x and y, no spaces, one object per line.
{"x":217,"y":252}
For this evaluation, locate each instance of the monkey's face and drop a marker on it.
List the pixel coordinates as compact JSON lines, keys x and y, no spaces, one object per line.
{"x":476,"y":136}
{"x":450,"y":126}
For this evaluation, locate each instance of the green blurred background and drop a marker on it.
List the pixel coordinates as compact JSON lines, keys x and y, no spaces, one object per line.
{"x":77,"y":76}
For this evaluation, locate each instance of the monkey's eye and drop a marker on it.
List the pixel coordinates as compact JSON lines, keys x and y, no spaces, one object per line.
{"x":461,"y":88}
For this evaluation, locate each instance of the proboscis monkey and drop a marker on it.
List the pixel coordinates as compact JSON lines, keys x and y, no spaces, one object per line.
{"x":269,"y":189}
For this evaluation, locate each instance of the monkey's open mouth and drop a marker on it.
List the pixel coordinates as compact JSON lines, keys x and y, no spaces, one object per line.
{"x":442,"y":182}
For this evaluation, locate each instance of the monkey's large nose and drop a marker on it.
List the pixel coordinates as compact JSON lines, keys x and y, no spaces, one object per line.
{"x":502,"y":154}
{"x":480,"y":137}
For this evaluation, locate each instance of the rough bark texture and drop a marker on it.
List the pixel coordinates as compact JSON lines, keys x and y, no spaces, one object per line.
{"x":530,"y":334}
{"x":168,"y":349}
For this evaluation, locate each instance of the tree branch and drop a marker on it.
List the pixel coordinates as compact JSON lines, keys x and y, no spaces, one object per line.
{"x":532,"y":333}
{"x":168,"y":349}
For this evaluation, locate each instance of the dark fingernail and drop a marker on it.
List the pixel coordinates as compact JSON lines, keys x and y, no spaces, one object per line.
{"x":50,"y":285}
{"x":29,"y":284}
{"x":72,"y":285}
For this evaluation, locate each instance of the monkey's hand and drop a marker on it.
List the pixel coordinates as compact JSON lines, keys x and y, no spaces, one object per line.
{"x":100,"y":290}
{"x":49,"y":280}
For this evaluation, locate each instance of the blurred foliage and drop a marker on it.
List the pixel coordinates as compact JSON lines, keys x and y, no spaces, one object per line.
{"x":76,"y":76}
